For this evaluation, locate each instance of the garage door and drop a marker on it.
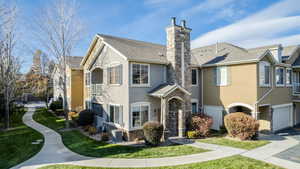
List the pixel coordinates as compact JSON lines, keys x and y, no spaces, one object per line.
{"x":216,"y":112}
{"x":282,"y":117}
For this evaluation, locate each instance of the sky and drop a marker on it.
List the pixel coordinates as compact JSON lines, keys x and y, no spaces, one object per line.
{"x":246,"y":23}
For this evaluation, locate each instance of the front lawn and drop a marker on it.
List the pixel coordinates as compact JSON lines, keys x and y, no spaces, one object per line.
{"x":248,"y":145}
{"x":233,"y":162}
{"x":83,"y":145}
{"x":16,"y":143}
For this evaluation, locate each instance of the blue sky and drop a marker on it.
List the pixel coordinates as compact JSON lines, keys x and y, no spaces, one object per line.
{"x":247,"y":23}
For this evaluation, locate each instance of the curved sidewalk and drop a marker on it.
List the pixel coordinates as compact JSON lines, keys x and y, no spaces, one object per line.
{"x":54,"y":152}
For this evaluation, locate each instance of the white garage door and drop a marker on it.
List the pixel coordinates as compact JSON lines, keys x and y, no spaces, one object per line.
{"x":282,"y":116}
{"x":216,"y":113}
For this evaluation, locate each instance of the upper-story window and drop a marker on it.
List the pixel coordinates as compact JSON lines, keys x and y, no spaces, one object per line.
{"x":87,"y":78}
{"x":114,"y":74}
{"x":222,"y":76}
{"x":288,"y":76}
{"x":194,"y":76}
{"x":140,"y":74}
{"x":279,"y":76}
{"x":264,"y":73}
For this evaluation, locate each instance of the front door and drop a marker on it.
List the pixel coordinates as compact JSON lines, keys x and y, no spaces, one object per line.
{"x":174,"y":107}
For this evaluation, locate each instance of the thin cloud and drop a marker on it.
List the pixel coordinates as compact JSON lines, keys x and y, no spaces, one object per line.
{"x":264,"y":27}
{"x":205,"y":6}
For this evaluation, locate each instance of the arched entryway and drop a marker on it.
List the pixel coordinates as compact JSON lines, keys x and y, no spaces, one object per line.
{"x":240,"y":107}
{"x":175,"y":109}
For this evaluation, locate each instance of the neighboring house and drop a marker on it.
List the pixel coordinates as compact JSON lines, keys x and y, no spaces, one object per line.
{"x":256,"y":81}
{"x":74,"y":83}
{"x":128,"y":82}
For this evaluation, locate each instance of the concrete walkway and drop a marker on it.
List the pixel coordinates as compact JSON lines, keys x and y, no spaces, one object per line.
{"x":54,"y":152}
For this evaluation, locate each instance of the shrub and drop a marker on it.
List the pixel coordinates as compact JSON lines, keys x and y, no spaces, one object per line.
{"x":92,"y":130}
{"x":192,"y":134}
{"x":241,"y":125}
{"x":72,"y":115}
{"x":104,"y":137}
{"x":86,"y":117}
{"x":153,"y":132}
{"x":201,"y":124}
{"x":56,"y":105}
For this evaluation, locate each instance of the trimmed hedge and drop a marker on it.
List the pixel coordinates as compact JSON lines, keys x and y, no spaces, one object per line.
{"x":201,"y":124}
{"x":86,"y":117}
{"x":56,"y":105}
{"x":241,"y":125}
{"x":153,"y":132}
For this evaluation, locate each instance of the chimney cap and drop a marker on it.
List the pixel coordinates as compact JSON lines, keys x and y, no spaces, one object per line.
{"x":173,"y":21}
{"x":183,"y":23}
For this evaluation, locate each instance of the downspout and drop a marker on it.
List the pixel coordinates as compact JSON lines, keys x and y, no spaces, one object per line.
{"x":202,"y":102}
{"x":265,"y":95}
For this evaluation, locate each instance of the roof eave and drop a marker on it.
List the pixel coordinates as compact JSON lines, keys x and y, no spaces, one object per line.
{"x":230,"y":63}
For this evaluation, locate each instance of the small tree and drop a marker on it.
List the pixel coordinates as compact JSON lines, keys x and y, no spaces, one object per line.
{"x":60,"y":30}
{"x":9,"y":61}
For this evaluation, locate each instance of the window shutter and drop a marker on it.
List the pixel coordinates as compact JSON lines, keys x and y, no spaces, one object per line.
{"x":216,"y":76}
{"x":108,"y":75}
{"x":223,"y":76}
{"x":261,"y":73}
{"x":228,"y":73}
{"x":120,"y":71}
{"x":121,"y":115}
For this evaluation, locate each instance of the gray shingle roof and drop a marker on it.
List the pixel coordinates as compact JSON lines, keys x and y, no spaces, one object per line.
{"x":223,"y":53}
{"x":164,"y":89}
{"x":74,"y":62}
{"x":288,"y":50}
{"x":136,"y":50}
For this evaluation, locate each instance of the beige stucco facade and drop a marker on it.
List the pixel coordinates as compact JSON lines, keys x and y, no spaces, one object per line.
{"x":242,"y":87}
{"x":74,"y":85}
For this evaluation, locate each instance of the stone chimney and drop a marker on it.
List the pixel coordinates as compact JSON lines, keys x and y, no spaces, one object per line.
{"x":179,"y":54}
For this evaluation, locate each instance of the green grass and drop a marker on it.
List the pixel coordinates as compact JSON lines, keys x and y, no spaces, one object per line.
{"x":48,"y":119}
{"x":83,"y":145}
{"x":248,"y":145}
{"x":88,"y":147}
{"x":233,"y":162}
{"x":15,"y":144}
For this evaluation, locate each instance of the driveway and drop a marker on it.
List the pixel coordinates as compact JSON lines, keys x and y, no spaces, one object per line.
{"x":293,"y":153}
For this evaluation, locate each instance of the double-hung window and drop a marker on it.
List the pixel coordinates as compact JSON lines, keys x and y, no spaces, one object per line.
{"x":194,"y":76}
{"x":222,"y":76}
{"x":139,"y":114}
{"x":115,"y":75}
{"x":116,"y":114}
{"x":140,"y":74}
{"x":288,"y":77}
{"x":264,"y":73}
{"x":279,"y":76}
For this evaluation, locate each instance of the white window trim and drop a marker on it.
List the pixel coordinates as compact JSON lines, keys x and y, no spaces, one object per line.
{"x":197,"y":79}
{"x":139,"y":85}
{"x":112,"y":123}
{"x":114,"y":64}
{"x":291,"y":75}
{"x":279,"y":85}
{"x":264,"y":63}
{"x":197,"y":103}
{"x":131,"y":113}
{"x":220,"y":84}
